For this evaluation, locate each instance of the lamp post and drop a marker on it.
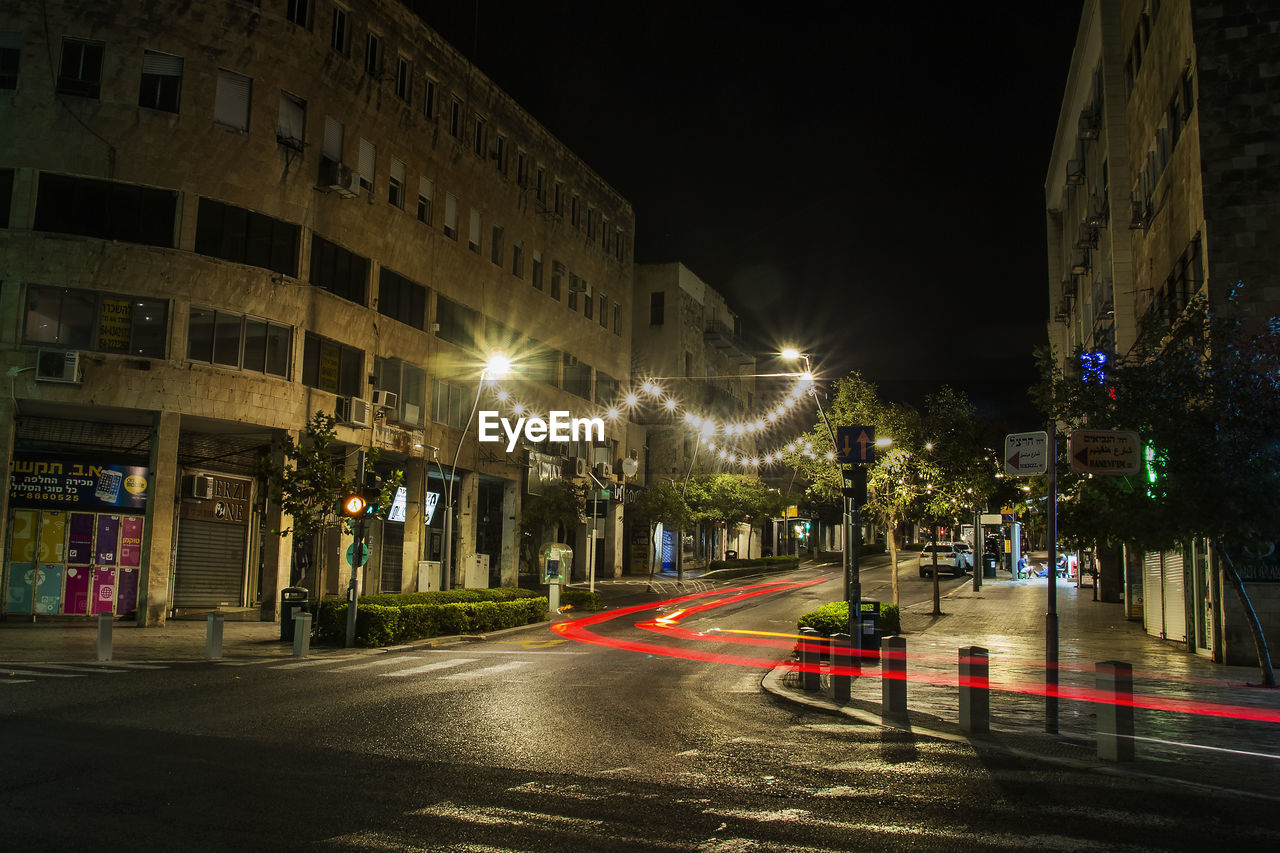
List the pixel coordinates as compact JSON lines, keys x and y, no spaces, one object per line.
{"x":497,"y":367}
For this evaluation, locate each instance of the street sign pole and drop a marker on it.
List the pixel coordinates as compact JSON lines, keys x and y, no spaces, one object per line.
{"x":1051,"y":618}
{"x":357,"y":554}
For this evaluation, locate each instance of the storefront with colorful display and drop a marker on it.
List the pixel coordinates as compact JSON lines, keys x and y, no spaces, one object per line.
{"x":75,"y":535}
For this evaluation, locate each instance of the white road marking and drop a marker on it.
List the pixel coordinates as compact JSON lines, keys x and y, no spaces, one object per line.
{"x":441,"y":664}
{"x":39,"y":674}
{"x":66,"y":667}
{"x":313,"y":662}
{"x":387,"y":661}
{"x":15,"y":680}
{"x":489,"y":670}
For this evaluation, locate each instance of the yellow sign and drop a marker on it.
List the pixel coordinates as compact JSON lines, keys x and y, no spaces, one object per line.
{"x":113,"y":325}
{"x":791,"y":512}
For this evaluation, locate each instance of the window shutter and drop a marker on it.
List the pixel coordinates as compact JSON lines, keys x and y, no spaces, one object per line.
{"x":231,"y":103}
{"x":397,"y":171}
{"x":368,"y":153}
{"x":292,"y":117}
{"x":425,"y":188}
{"x":333,"y":139}
{"x":161,"y":64}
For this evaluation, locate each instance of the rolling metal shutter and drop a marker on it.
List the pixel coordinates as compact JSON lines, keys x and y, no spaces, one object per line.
{"x":1175,"y":598}
{"x":211,"y":559}
{"x":1152,"y":594}
{"x":392,"y":556}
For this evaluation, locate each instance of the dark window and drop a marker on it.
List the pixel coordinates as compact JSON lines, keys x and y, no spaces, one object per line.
{"x":604,"y":311}
{"x":331,"y":366}
{"x":606,"y":389}
{"x":407,"y":382}
{"x":106,"y":209}
{"x":341,"y":40}
{"x":373,"y":56}
{"x":161,"y":81}
{"x":80,"y":72}
{"x":231,"y":99}
{"x":617,"y":319}
{"x":477,"y":140}
{"x":6,"y":195}
{"x":495,"y":246}
{"x":10,"y":57}
{"x":404,"y":79}
{"x":106,"y":322}
{"x":517,"y":260}
{"x":557,"y":275}
{"x":455,"y":118}
{"x":588,"y":304}
{"x":338,"y":271}
{"x":656,"y":307}
{"x":457,"y":323}
{"x":235,"y":234}
{"x":429,"y":100}
{"x":540,"y":363}
{"x":577,"y":377}
{"x":402,"y":299}
{"x":536,"y":274}
{"x":299,"y":12}
{"x":447,"y":404}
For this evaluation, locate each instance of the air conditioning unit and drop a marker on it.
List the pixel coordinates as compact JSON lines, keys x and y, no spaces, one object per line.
{"x":339,"y":177}
{"x":1080,"y":262}
{"x":200,"y":487}
{"x":1075,"y":172}
{"x":578,"y":466}
{"x":604,"y":469}
{"x":56,"y":365}
{"x":385,"y":399}
{"x":1087,"y":237}
{"x":1089,"y":125}
{"x":354,"y":412}
{"x":577,"y":285}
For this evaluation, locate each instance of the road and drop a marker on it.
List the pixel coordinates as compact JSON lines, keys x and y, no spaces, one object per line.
{"x":607,"y":736}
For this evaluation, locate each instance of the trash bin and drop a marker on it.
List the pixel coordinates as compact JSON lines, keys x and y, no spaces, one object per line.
{"x":871,"y":633}
{"x":989,"y":565}
{"x":292,"y":598}
{"x":731,"y":555}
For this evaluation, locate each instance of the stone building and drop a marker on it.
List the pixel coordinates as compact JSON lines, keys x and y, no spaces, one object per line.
{"x":217,"y":219}
{"x":1162,"y":185}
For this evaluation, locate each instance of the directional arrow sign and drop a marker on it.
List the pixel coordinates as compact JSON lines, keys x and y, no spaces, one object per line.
{"x":1105,"y":451}
{"x":856,"y":444}
{"x":1026,"y":454}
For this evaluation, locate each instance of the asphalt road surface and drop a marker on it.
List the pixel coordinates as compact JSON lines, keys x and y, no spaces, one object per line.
{"x":611,"y":736}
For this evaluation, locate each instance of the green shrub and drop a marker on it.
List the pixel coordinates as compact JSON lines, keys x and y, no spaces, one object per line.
{"x":871,"y":548}
{"x":581,"y":599}
{"x":833,"y":618}
{"x":382,"y":625}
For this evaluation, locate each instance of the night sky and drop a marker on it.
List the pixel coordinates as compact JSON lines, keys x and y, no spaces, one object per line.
{"x":865,"y":181}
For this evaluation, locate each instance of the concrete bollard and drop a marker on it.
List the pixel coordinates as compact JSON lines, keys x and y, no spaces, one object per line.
{"x":841,"y":659}
{"x":104,"y":636}
{"x":301,"y":633}
{"x":893,"y":679}
{"x":213,"y":637}
{"x":809,"y":659}
{"x":1115,"y":710}
{"x":975,"y":703}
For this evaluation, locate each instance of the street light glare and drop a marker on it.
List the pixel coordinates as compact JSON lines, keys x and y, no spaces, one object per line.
{"x":498,"y":366}
{"x":790,"y":353}
{"x":883,"y":442}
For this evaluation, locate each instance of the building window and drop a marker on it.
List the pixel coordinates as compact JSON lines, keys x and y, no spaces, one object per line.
{"x":80,"y":72}
{"x":407,"y":382}
{"x":450,"y":216}
{"x":368,"y":158}
{"x":657,"y":301}
{"x":473,"y":236}
{"x":404,"y":80}
{"x":522,"y":169}
{"x":331,"y":366}
{"x":425,"y":191}
{"x":232,"y":99}
{"x":573,"y":213}
{"x":299,"y":12}
{"x":557,"y":276}
{"x":477,"y":140}
{"x":540,"y":186}
{"x":607,"y":390}
{"x":517,"y":260}
{"x":373,"y":55}
{"x":457,"y":323}
{"x":92,"y":320}
{"x":341,"y":41}
{"x":235,"y":340}
{"x":339,"y":271}
{"x":535,"y":277}
{"x":161,"y":81}
{"x":245,"y":237}
{"x":500,"y":152}
{"x":446,"y":404}
{"x":617,"y":319}
{"x":591,"y":223}
{"x":333,"y":134}
{"x":588,"y":304}
{"x":10,"y":58}
{"x":495,"y":246}
{"x":6,"y":196}
{"x":291,"y":129}
{"x":617,"y":244}
{"x":558,"y":199}
{"x":577,"y":377}
{"x":106,"y":209}
{"x":402,"y":299}
{"x":455,"y":118}
{"x":574,"y":288}
{"x":604,"y":311}
{"x":395,"y":184}
{"x":429,"y":101}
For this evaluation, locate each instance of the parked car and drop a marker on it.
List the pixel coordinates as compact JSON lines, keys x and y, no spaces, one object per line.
{"x":953,"y":557}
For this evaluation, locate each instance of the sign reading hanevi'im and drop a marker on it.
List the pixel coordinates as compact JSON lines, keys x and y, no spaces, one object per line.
{"x":81,"y":483}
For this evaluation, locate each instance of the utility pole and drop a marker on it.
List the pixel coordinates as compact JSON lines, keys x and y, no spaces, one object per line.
{"x":357,"y":558}
{"x":1051,"y":617}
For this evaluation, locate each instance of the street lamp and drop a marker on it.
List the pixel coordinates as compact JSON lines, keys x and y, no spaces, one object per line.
{"x":497,"y":367}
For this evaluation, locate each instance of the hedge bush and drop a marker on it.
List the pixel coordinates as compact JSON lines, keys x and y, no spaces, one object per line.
{"x":381,"y":624}
{"x":833,"y":618}
{"x":581,"y":599}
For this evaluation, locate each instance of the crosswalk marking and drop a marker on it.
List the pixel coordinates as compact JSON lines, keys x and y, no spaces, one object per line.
{"x":387,"y":661}
{"x":40,"y":674}
{"x":86,"y":668}
{"x":15,"y":680}
{"x":312,"y":662}
{"x":427,"y":667}
{"x":488,"y":670}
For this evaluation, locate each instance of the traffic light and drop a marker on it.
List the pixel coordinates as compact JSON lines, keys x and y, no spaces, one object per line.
{"x":371,"y":492}
{"x":353,"y":505}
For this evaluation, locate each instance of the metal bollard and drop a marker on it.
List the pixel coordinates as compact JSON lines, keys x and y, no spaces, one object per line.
{"x":893,"y":679}
{"x":841,"y":667}
{"x":809,"y":673}
{"x":975,"y":703}
{"x":301,"y":633}
{"x":213,"y":637}
{"x":1115,"y":710}
{"x":104,"y":636}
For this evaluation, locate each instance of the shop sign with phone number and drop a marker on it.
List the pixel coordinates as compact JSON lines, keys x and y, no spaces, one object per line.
{"x":48,"y":481}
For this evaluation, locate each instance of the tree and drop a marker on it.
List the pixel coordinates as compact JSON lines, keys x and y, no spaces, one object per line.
{"x":1203,"y":392}
{"x":661,"y":503}
{"x":730,"y":499}
{"x":560,"y":505}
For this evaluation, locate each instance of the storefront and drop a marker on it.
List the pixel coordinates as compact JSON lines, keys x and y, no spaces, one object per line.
{"x":75,"y":535}
{"x":213,"y":542}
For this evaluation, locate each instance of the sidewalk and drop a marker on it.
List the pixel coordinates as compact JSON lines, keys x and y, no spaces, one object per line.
{"x":1220,"y":745}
